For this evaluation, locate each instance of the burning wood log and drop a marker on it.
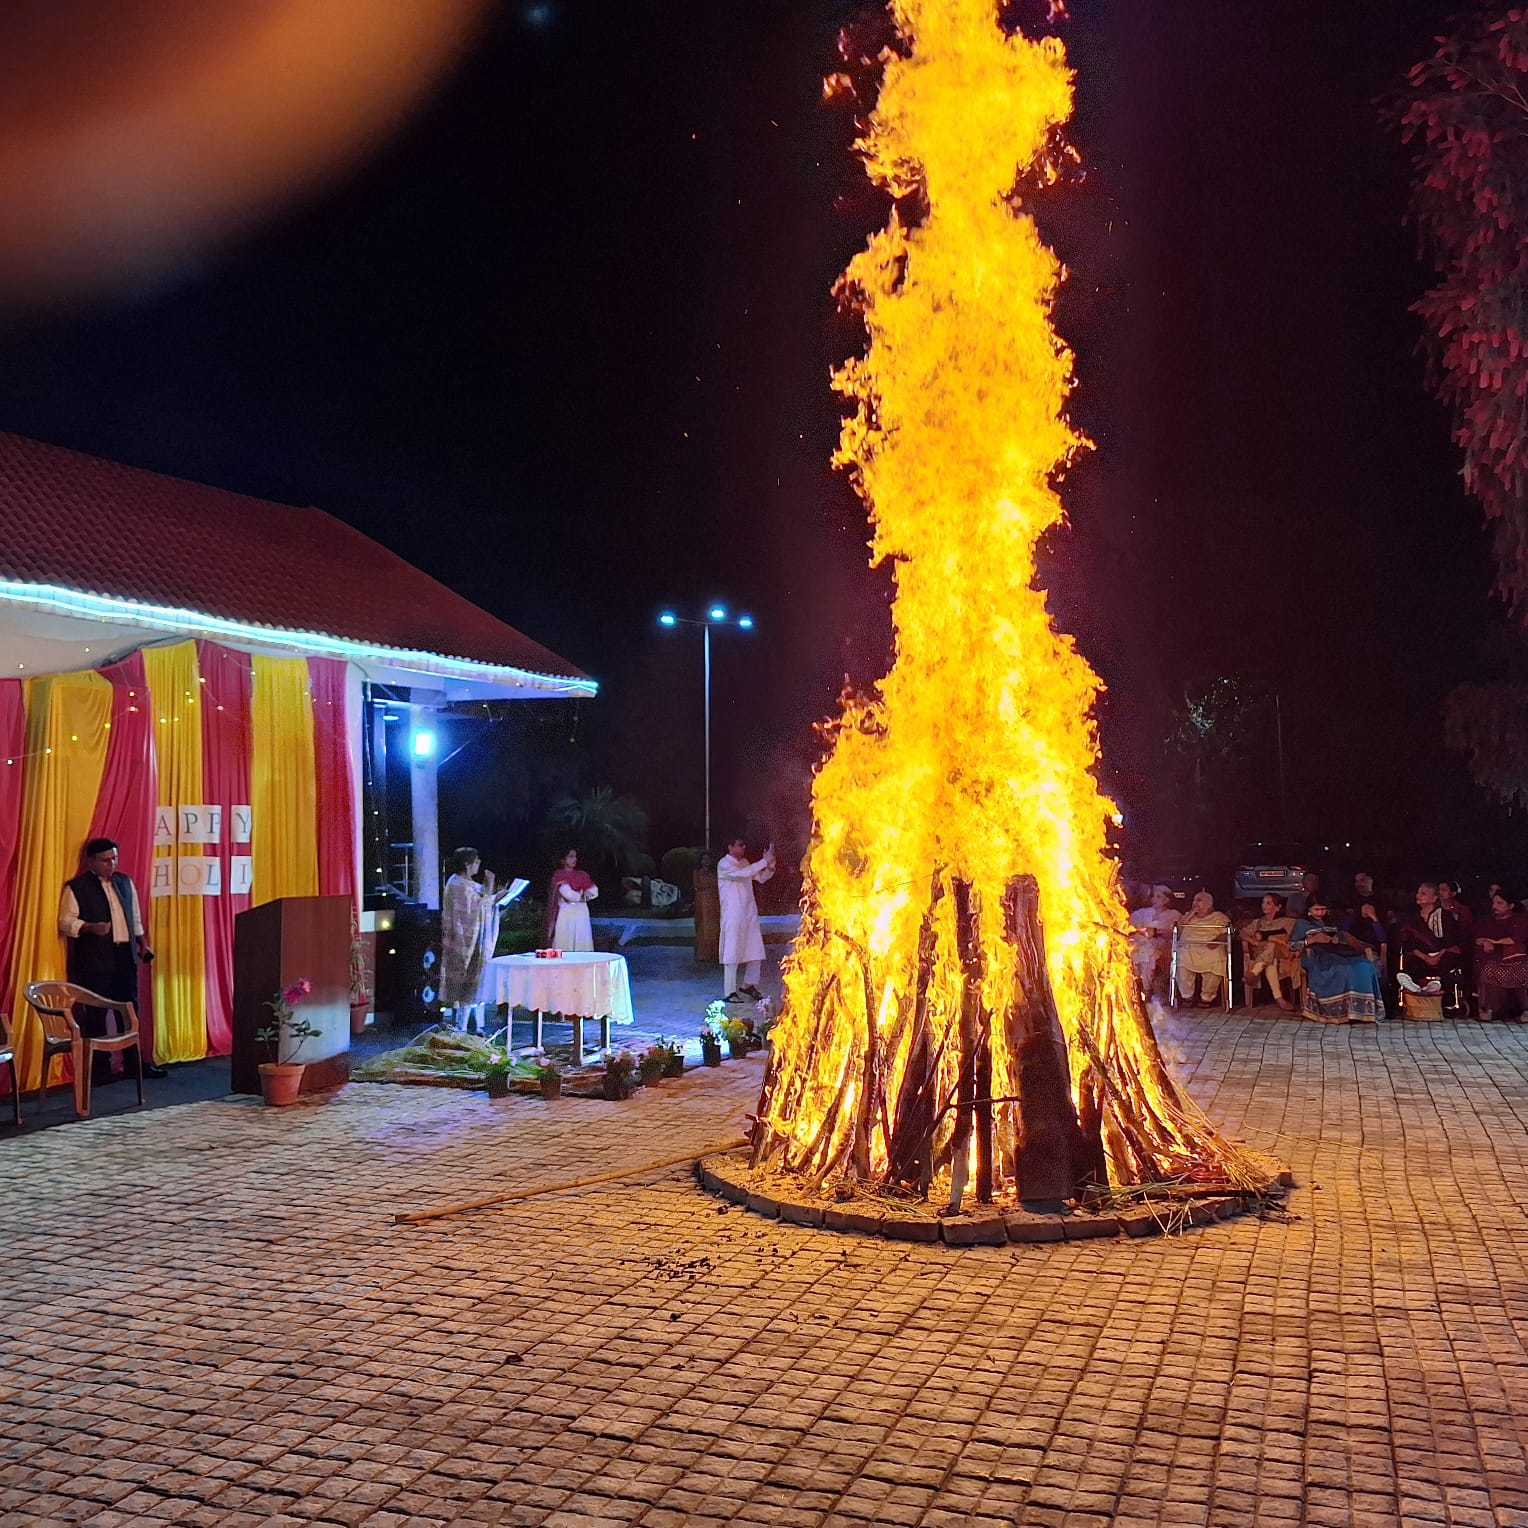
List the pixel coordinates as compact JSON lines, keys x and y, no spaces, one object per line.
{"x":1053,"y":1155}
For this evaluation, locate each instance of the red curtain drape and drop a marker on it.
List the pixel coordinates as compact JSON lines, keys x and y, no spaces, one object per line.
{"x":336,"y":797}
{"x":13,"y":746}
{"x":226,"y":677}
{"x":124,"y":809}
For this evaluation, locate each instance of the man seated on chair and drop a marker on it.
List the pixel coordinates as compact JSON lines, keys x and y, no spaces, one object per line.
{"x":101,"y":920}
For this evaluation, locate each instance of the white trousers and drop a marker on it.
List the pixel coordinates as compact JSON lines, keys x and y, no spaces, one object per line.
{"x":750,"y":970}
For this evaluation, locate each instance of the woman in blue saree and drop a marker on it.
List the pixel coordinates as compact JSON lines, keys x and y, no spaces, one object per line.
{"x":1341,"y":982}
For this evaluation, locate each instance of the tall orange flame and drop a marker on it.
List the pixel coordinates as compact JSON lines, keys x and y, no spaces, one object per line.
{"x":909,"y":1005}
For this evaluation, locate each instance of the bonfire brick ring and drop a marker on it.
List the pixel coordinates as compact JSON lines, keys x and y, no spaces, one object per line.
{"x":777,"y":1197}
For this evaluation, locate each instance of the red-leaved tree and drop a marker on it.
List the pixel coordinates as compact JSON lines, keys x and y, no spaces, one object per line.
{"x":1466,"y":111}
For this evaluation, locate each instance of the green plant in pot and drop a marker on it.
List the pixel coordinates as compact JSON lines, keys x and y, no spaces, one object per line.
{"x":360,"y":982}
{"x":711,"y":1033}
{"x":620,"y":1074}
{"x":673,"y":1052}
{"x":652,"y":1066}
{"x":281,"y":1081}
{"x":496,"y":1076}
{"x":739,"y":1038}
{"x":548,"y":1076}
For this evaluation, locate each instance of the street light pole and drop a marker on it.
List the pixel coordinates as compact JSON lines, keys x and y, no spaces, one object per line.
{"x":716,"y":615}
{"x":706,"y":646}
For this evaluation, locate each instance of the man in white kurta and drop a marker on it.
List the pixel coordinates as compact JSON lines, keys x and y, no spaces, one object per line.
{"x":742,"y":942}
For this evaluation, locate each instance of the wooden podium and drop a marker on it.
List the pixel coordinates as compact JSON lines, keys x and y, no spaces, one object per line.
{"x":275,"y":945}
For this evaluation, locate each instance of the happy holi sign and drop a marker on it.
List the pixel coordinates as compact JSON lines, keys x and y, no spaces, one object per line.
{"x":202,"y":875}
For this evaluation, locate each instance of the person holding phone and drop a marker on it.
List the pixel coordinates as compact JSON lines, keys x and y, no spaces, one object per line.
{"x":742,"y":940}
{"x":101,"y":919}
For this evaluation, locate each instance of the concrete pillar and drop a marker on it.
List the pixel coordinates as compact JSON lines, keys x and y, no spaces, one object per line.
{"x":422,"y":781}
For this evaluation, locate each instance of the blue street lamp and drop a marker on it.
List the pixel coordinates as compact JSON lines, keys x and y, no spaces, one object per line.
{"x":716,"y":615}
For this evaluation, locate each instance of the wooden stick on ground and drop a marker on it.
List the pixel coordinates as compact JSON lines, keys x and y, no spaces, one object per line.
{"x":413,"y":1217}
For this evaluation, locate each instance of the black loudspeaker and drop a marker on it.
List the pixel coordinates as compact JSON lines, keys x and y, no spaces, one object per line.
{"x":408,"y":967}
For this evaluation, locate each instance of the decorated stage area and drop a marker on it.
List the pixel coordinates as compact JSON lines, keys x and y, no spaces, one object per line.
{"x":256,"y":1341}
{"x":669,"y":996}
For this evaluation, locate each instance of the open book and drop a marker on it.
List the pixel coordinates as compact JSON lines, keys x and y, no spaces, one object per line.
{"x":510,"y":892}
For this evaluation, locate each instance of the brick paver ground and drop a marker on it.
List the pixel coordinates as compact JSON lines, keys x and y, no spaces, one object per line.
{"x":210,"y":1319}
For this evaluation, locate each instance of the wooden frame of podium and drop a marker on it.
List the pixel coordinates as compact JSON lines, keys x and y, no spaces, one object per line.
{"x":275,"y":945}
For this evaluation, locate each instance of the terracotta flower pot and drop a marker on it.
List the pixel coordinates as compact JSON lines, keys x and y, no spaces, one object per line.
{"x":358,"y":1013}
{"x":551,"y":1087}
{"x":280,"y":1082}
{"x":615,"y":1087}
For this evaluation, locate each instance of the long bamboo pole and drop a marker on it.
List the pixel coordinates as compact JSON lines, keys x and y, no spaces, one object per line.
{"x":414,"y":1217}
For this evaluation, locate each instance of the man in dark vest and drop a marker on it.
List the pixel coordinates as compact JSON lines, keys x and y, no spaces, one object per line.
{"x":101,"y":918}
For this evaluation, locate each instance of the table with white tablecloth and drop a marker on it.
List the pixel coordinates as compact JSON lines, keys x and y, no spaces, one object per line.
{"x":580,"y":984}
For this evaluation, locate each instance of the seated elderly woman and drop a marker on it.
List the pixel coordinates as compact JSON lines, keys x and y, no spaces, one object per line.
{"x":1266,"y":955}
{"x":1432,"y":950}
{"x":1151,"y":942}
{"x":1341,"y":981}
{"x":1501,"y":959}
{"x":1202,"y":947}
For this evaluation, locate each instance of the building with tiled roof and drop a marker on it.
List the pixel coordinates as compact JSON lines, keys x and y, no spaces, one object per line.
{"x":98,"y":558}
{"x":244,"y":695}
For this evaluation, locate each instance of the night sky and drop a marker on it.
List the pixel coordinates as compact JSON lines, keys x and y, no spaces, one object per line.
{"x":564,"y":343}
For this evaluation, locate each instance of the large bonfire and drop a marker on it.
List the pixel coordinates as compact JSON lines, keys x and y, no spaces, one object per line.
{"x":960,"y":1011}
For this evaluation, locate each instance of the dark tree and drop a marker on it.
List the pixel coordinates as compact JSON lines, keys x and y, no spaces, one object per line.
{"x":1465,"y":110}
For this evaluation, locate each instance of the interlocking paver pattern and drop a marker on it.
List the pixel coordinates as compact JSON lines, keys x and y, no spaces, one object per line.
{"x":210,"y":1318}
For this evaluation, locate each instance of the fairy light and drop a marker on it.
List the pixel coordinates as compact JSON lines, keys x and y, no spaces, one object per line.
{"x":55,"y":599}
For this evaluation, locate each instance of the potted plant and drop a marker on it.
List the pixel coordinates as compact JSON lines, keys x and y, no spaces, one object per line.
{"x":496,"y":1077}
{"x":652,"y":1066}
{"x":711,"y":1033}
{"x":738,"y":1036}
{"x":618,"y":1079}
{"x":281,"y":1081}
{"x":360,"y":982}
{"x":673,"y":1054}
{"x":549,"y":1076}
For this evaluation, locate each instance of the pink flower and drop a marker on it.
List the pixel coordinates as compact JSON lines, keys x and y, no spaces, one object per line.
{"x":305,"y":986}
{"x":293,"y":995}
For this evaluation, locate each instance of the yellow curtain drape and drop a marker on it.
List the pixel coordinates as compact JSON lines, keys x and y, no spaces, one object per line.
{"x":177,"y":928}
{"x":68,"y":727}
{"x":283,"y":781}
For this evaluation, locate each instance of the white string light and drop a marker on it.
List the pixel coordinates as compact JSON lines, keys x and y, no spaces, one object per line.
{"x":100,"y":607}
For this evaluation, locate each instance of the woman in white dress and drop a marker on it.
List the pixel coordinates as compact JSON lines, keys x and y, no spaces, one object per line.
{"x":567,"y":906}
{"x":1152,"y":942}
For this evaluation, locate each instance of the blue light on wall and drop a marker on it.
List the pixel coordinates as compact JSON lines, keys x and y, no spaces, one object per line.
{"x":424,"y":744}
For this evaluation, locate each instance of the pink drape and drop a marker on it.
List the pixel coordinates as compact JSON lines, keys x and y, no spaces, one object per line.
{"x":227,"y":683}
{"x":13,"y":744}
{"x":124,"y":809}
{"x":336,"y":824}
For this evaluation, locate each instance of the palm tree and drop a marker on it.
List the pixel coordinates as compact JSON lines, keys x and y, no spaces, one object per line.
{"x":609,"y":831}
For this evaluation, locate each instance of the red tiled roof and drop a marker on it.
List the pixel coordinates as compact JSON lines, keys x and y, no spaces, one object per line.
{"x":101,"y":528}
